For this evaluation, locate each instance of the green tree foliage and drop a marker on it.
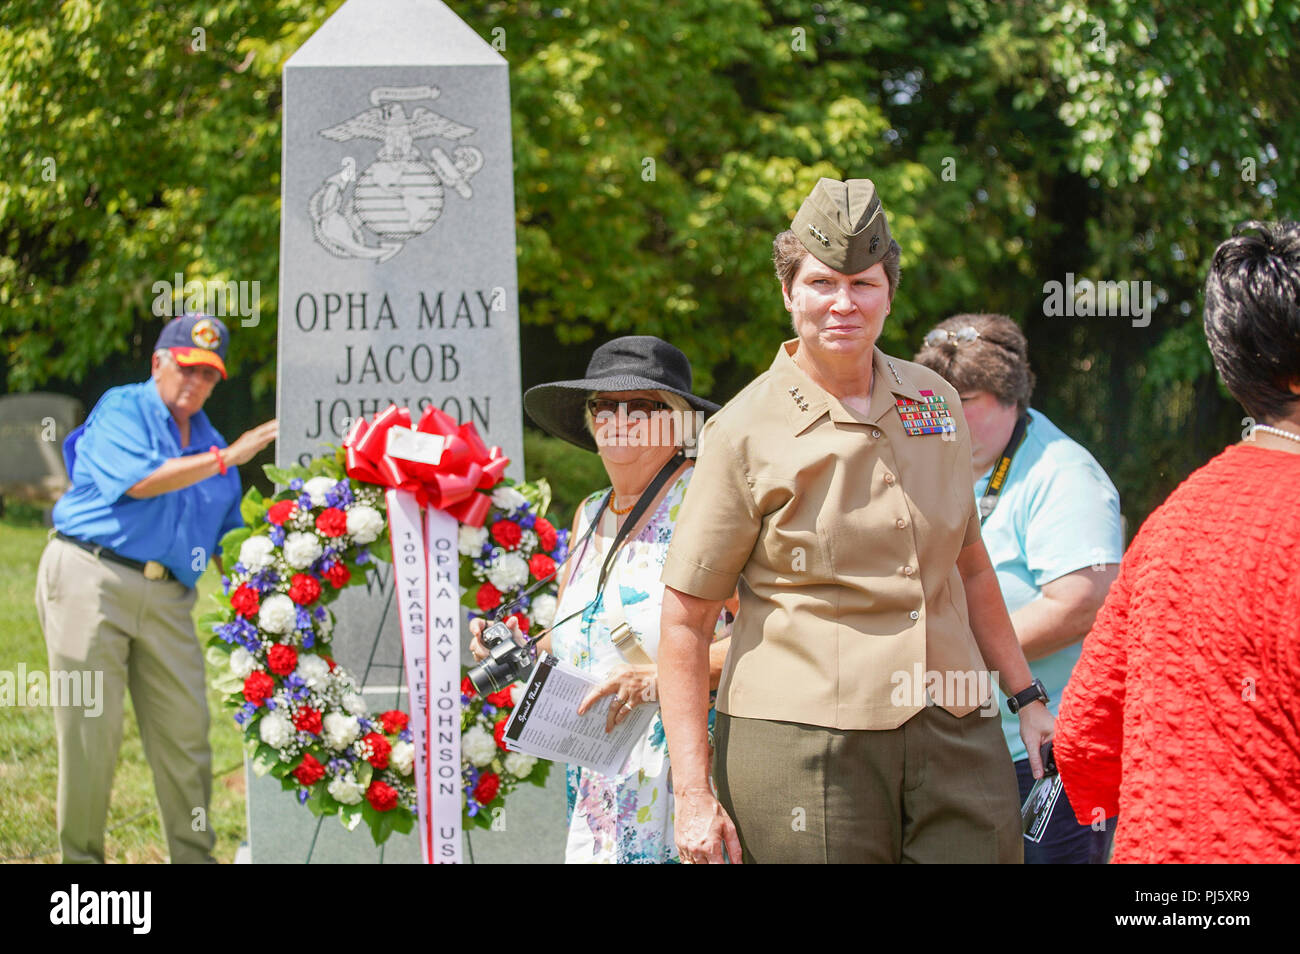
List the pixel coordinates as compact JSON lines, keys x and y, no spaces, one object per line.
{"x":659,"y":147}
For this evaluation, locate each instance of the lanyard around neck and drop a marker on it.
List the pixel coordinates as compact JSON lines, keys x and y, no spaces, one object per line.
{"x":1003,"y":467}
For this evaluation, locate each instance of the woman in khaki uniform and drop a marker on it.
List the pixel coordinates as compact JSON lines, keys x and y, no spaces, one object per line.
{"x":852,"y":713}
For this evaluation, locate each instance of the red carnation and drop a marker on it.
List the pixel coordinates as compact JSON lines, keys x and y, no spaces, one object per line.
{"x":380,"y":749}
{"x":307,"y":719}
{"x":467,"y":688}
{"x":507,"y":533}
{"x":310,"y":771}
{"x":499,"y":733}
{"x":280,"y":513}
{"x":541,"y":566}
{"x":486,"y":789}
{"x":332,"y":522}
{"x":394,"y":721}
{"x":545,"y":533}
{"x":488,"y":597}
{"x":502,"y":699}
{"x":282,"y":659}
{"x":338,"y":574}
{"x":245,"y":601}
{"x":304,"y":589}
{"x":382,"y":797}
{"x":257,"y":687}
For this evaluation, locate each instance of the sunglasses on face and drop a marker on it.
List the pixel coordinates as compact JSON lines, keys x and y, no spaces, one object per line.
{"x":646,"y":406}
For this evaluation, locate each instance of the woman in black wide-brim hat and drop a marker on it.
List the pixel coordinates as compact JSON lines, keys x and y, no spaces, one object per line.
{"x":635,"y":409}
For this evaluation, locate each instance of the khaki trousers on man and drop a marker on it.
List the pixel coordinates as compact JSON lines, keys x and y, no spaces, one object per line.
{"x":102,"y":616}
{"x":939,"y":788}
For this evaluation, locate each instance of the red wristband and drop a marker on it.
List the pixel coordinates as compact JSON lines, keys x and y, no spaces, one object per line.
{"x":221,"y":464}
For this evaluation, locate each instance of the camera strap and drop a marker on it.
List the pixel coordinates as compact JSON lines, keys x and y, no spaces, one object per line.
{"x":633,"y":518}
{"x":1002,"y":468}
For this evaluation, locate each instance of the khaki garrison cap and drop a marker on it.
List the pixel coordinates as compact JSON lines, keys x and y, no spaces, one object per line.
{"x":843,"y":225}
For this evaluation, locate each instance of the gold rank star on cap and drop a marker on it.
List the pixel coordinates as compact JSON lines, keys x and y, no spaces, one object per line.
{"x":843,"y":225}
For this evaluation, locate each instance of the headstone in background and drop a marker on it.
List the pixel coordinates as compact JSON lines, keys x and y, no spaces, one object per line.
{"x":32,"y":429}
{"x":397,"y":285}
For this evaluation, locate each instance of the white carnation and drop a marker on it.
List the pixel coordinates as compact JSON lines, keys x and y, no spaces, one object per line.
{"x":364,"y":523}
{"x":277,"y":615}
{"x":301,"y":549}
{"x":471,"y":540}
{"x":519,"y":765}
{"x":313,"y":670}
{"x":257,"y":552}
{"x":402,"y":758}
{"x":355,"y":703}
{"x":508,"y":572}
{"x":347,"y":790}
{"x":543,"y":609}
{"x":479,"y":747}
{"x":340,"y":730}
{"x":242,"y":662}
{"x":275,"y":729}
{"x":507,"y":498}
{"x":317,"y":488}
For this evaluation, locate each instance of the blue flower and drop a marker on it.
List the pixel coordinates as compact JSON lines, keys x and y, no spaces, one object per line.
{"x":363,"y":555}
{"x":304,"y":501}
{"x":527,"y":521}
{"x":295,"y":484}
{"x":471,"y":808}
{"x":405,"y":735}
{"x":240,"y":717}
{"x":240,"y":568}
{"x":318,"y":613}
{"x":489,"y":710}
{"x":248,"y":708}
{"x":277,"y":536}
{"x":303,"y":795}
{"x":225,"y":584}
{"x":308,"y":639}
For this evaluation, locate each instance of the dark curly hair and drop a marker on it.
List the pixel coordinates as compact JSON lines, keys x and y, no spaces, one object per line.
{"x":1252,"y":316}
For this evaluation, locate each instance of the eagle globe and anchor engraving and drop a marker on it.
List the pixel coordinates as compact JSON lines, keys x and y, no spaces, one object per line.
{"x":399,"y":195}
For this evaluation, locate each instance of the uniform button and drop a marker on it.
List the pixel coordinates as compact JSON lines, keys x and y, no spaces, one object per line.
{"x":875,"y":434}
{"x":889,"y":478}
{"x":914,"y":614}
{"x":901,"y":523}
{"x":908,"y":571}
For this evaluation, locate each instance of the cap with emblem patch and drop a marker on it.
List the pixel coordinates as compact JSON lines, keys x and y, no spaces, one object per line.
{"x":843,"y":225}
{"x":196,"y":339}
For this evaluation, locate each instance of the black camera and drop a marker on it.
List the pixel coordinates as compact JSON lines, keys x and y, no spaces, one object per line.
{"x":510,"y":657}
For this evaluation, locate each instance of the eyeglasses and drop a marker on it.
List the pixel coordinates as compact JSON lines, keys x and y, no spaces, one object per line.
{"x":644,"y":406}
{"x":941,"y":336}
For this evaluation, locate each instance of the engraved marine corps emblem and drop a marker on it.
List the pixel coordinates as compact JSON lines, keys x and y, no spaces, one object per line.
{"x":401,"y":194}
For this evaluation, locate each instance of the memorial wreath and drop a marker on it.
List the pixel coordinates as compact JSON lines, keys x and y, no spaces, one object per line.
{"x":304,"y":719}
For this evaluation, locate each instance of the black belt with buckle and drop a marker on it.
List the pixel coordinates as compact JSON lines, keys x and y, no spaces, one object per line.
{"x":152,"y":569}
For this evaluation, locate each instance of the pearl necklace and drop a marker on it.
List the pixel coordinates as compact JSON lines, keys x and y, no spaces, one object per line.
{"x":1289,"y":435}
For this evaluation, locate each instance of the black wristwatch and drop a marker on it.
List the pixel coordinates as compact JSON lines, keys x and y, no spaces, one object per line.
{"x":1035,"y":692}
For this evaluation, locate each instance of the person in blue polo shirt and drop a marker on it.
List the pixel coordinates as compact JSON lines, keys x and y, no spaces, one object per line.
{"x":1052,"y":528}
{"x":154,"y":488}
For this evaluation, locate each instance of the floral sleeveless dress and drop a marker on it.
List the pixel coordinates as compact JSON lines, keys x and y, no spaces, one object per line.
{"x":627,"y":818}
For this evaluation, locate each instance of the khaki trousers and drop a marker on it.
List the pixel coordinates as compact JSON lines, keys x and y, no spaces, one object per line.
{"x":937,"y":789}
{"x":105,"y":617}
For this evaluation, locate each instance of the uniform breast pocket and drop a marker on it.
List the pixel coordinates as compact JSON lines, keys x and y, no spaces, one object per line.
{"x":790,"y":545}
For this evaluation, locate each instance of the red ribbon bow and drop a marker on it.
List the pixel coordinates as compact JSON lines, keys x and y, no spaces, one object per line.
{"x":466,"y":467}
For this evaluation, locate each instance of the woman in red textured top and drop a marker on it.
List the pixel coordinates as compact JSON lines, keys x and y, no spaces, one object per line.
{"x":1183,"y":714}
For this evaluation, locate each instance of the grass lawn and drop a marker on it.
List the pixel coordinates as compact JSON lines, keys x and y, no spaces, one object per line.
{"x":29,"y":756}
